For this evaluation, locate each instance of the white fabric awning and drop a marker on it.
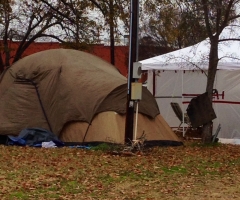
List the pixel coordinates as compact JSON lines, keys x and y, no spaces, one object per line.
{"x":196,"y":57}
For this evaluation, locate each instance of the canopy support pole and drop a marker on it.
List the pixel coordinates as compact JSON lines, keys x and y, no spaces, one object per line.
{"x":136,"y":122}
{"x":183,"y":107}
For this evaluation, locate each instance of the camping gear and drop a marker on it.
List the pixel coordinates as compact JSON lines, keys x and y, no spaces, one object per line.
{"x":183,"y":117}
{"x":34,"y":137}
{"x":77,"y":96}
{"x":200,"y":110}
{"x":181,"y":75}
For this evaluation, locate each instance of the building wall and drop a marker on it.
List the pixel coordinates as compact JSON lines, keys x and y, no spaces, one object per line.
{"x":121,"y":56}
{"x":121,"y":52}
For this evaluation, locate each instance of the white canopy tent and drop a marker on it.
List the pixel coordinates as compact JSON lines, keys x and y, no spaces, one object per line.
{"x":181,"y":75}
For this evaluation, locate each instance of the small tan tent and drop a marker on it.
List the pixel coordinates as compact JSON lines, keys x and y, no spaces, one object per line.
{"x":77,"y":96}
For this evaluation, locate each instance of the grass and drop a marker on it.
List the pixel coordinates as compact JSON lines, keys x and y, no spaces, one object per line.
{"x":192,"y":171}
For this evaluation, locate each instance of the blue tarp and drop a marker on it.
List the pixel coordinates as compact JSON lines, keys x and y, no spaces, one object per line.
{"x":34,"y":137}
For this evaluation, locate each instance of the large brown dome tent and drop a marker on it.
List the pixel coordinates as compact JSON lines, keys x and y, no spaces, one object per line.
{"x":77,"y":96}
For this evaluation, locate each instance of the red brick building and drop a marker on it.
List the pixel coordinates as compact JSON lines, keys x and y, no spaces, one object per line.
{"x":121,"y":52}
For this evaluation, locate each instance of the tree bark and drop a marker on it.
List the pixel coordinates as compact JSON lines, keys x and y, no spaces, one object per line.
{"x":207,"y":133}
{"x":112,"y":38}
{"x":1,"y":65}
{"x":212,"y":69}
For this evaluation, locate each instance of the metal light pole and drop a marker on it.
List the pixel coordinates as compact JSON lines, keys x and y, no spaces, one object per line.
{"x":133,"y":57}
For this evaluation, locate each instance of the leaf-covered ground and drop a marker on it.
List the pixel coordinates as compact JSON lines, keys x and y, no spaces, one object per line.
{"x":187,"y":172}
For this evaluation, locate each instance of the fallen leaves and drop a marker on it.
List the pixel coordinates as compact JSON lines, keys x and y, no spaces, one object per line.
{"x":185,"y":172}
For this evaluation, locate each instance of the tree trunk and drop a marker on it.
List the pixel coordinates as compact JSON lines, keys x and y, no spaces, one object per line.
{"x":207,"y":133}
{"x":212,"y":69}
{"x":112,"y":42}
{"x":1,"y":64}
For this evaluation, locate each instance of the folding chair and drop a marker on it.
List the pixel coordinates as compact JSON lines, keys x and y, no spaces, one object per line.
{"x":178,"y":111}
